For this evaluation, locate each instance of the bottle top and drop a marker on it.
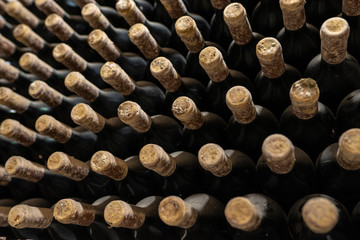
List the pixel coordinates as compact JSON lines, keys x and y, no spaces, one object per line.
{"x":155,"y":158}
{"x":20,"y":167}
{"x":121,"y":214}
{"x":21,"y":14}
{"x":82,"y":3}
{"x":64,"y":54}
{"x":140,"y":36}
{"x":175,"y":8}
{"x":56,"y":24}
{"x":93,"y":15}
{"x":82,"y":114}
{"x":186,"y":111}
{"x":212,"y":61}
{"x":5,"y":179}
{"x":334,"y":34}
{"x":100,"y":42}
{"x":320,"y":215}
{"x":78,"y":84}
{"x":351,"y":7}
{"x":28,"y":37}
{"x":13,"y":100}
{"x":14,"y":130}
{"x":49,"y":6}
{"x":241,"y":213}
{"x":24,"y":216}
{"x":279,"y":153}
{"x":213,"y":158}
{"x":220,"y":4}
{"x":115,"y":76}
{"x":174,"y":211}
{"x":293,"y":12}
{"x":32,"y":63}
{"x":163,"y":70}
{"x":49,"y":126}
{"x":189,"y":33}
{"x":131,"y":114}
{"x":269,"y":53}
{"x":69,"y":211}
{"x":348,"y":155}
{"x":7,"y":47}
{"x":40,"y":90}
{"x":104,"y":163}
{"x":239,"y":101}
{"x":304,"y":95}
{"x":130,"y":12}
{"x":68,"y":166}
{"x":8,"y":72}
{"x":236,"y":19}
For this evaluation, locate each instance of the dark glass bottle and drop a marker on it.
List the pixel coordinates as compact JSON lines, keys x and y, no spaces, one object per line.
{"x":5,"y":205}
{"x":161,"y":15}
{"x":347,"y":115}
{"x":9,"y":51}
{"x":318,"y":11}
{"x":31,"y":6}
{"x":266,"y":18}
{"x":351,"y":13}
{"x":203,"y":8}
{"x":9,"y":147}
{"x":70,"y":6}
{"x":7,"y":28}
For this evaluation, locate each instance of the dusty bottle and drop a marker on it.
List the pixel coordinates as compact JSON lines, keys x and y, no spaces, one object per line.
{"x":318,"y":11}
{"x":347,"y":114}
{"x":351,"y":13}
{"x":10,"y":51}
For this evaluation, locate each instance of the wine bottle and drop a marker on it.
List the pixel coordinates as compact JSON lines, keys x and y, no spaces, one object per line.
{"x":229,"y":173}
{"x":104,"y":101}
{"x":30,"y":5}
{"x":319,"y":216}
{"x":334,"y":70}
{"x":161,"y":15}
{"x":182,"y":173}
{"x":337,"y":169}
{"x":132,"y":14}
{"x":9,"y":147}
{"x":7,"y":29}
{"x":308,"y":123}
{"x":159,"y":129}
{"x":132,"y":63}
{"x":284,"y":172}
{"x":8,"y":18}
{"x":9,"y":51}
{"x":112,"y":134}
{"x":76,"y":143}
{"x":202,"y":8}
{"x":273,"y":82}
{"x":222,"y":79}
{"x":256,"y":216}
{"x":70,"y":6}
{"x":199,"y":216}
{"x":90,"y":184}
{"x":5,"y":205}
{"x":199,"y":127}
{"x":242,"y":49}
{"x":318,"y":11}
{"x":351,"y":13}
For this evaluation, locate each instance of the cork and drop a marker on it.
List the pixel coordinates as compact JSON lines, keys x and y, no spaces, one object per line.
{"x":7,"y":47}
{"x":49,"y":126}
{"x":239,"y":101}
{"x":92,"y":14}
{"x":100,"y":42}
{"x":293,"y":13}
{"x":13,"y":100}
{"x":130,"y":12}
{"x":69,"y":211}
{"x":2,"y":8}
{"x":189,"y":33}
{"x":55,"y":24}
{"x":269,"y":53}
{"x":5,"y":178}
{"x":115,"y":76}
{"x":236,"y":19}
{"x":14,"y":130}
{"x":82,"y":3}
{"x":104,"y":163}
{"x":28,"y":37}
{"x":174,"y":211}
{"x":351,"y":7}
{"x":334,"y":34}
{"x":24,"y":216}
{"x":8,"y":72}
{"x":121,"y":214}
{"x":220,"y":4}
{"x":131,"y":114}
{"x":16,"y":10}
{"x":68,"y":166}
{"x":175,"y":8}
{"x":64,"y":54}
{"x":4,"y":212}
{"x":279,"y":153}
{"x":49,"y":7}
{"x":140,"y":36}
{"x":304,"y":95}
{"x":40,"y":90}
{"x":82,"y":114}
{"x":213,"y":158}
{"x":155,"y":158}
{"x":185,"y":110}
{"x":348,"y":154}
{"x":78,"y":84}
{"x":32,"y":63}
{"x":320,"y":215}
{"x":241,"y":213}
{"x":163,"y":70}
{"x":212,"y":61}
{"x":20,"y":167}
